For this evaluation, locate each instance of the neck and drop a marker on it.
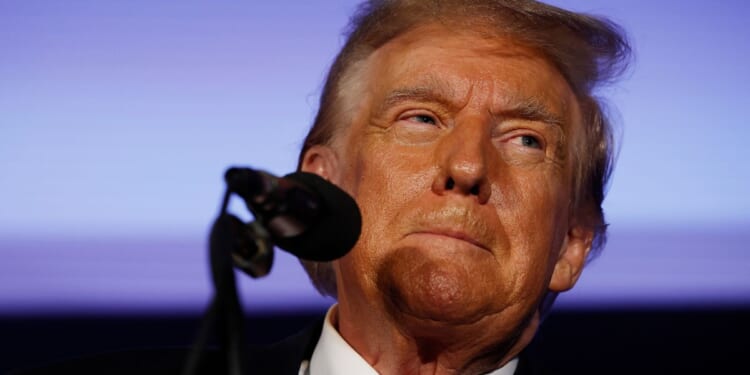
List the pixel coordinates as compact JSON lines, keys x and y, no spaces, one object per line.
{"x":402,"y":344}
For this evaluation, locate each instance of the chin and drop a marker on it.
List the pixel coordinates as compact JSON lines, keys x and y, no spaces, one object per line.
{"x":437,"y":291}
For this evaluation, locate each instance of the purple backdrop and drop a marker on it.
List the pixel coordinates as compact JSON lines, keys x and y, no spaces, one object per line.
{"x":117,"y":120}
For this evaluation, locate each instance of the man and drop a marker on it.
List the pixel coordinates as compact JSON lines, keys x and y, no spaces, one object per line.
{"x":468,"y":133}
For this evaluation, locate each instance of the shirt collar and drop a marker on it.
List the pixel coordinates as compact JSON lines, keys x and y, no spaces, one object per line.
{"x":334,"y":356}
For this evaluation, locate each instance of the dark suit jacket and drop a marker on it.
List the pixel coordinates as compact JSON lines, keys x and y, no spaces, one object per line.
{"x":281,"y":358}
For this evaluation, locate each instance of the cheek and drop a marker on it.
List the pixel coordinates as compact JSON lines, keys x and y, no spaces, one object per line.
{"x":532,"y":208}
{"x":384,"y":180}
{"x":533,"y":200}
{"x":386,"y":177}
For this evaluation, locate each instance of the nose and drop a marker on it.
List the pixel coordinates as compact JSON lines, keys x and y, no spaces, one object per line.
{"x":463,"y":158}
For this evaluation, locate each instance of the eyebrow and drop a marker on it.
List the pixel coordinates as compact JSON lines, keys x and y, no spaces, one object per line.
{"x":426,"y":93}
{"x":532,"y":109}
{"x":526,"y":108}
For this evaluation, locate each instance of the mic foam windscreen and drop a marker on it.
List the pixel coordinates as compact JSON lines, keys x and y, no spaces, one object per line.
{"x":336,"y":228}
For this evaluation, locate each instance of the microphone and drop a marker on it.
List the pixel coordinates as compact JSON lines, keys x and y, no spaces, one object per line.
{"x":303,"y":213}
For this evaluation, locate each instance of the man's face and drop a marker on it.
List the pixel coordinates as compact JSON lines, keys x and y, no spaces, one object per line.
{"x":458,"y":155}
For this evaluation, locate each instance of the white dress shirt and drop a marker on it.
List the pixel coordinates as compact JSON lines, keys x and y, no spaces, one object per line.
{"x":334,"y":356}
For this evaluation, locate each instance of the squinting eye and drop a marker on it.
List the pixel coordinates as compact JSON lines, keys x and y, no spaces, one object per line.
{"x":424,"y":119}
{"x":529,"y":141}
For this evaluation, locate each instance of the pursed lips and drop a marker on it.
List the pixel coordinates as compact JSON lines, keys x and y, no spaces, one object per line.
{"x":455,"y":220}
{"x":456,"y":234}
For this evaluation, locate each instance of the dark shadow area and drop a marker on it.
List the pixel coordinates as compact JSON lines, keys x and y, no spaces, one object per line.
{"x":570,"y":342}
{"x":644,"y":342}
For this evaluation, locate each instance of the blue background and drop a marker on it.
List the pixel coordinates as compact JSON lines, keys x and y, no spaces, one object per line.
{"x":118,"y":119}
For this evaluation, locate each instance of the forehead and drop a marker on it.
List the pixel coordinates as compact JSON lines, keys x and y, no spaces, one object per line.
{"x":459,"y":64}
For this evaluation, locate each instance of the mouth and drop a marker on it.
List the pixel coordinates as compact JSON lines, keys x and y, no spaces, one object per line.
{"x":453,"y":234}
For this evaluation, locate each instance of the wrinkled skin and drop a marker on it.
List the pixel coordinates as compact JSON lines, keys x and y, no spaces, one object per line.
{"x":459,"y":156}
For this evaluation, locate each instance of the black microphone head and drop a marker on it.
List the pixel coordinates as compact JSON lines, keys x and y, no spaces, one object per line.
{"x":336,"y":228}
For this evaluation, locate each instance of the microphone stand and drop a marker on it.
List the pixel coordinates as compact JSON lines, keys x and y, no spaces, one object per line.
{"x":231,"y":243}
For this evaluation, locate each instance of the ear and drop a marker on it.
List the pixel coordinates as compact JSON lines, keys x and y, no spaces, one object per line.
{"x":571,"y":258}
{"x":323,"y":161}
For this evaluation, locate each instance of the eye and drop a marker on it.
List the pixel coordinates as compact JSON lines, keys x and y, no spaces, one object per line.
{"x":424,"y":119}
{"x":526,"y":145}
{"x":530,"y":141}
{"x":417,"y":126}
